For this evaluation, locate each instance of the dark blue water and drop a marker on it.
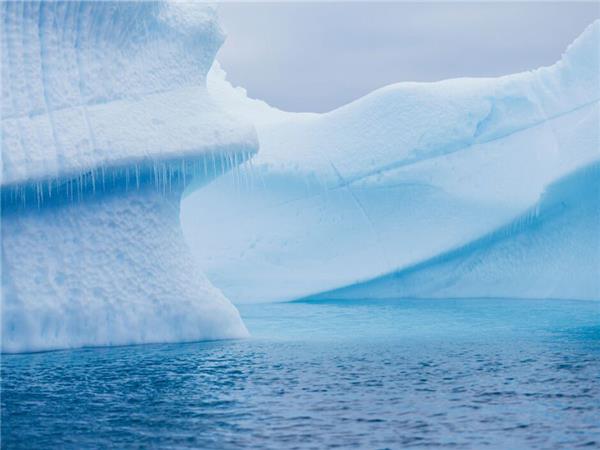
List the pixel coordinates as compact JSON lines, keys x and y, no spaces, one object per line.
{"x":464,"y":374}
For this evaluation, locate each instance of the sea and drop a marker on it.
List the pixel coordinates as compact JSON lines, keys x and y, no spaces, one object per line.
{"x":362,"y":374}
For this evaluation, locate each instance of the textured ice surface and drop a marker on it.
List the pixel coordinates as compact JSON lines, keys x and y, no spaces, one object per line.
{"x":406,"y":174}
{"x":105,"y":121}
{"x":105,"y":84}
{"x":112,"y":270}
{"x":551,"y":251}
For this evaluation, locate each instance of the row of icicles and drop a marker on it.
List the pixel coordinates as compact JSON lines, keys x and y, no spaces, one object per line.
{"x":163,"y":176}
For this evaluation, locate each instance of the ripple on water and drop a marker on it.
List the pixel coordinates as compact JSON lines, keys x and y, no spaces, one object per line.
{"x":479,"y":374}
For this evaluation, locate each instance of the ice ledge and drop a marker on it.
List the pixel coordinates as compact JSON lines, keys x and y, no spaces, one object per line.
{"x":176,"y":127}
{"x":101,"y":86}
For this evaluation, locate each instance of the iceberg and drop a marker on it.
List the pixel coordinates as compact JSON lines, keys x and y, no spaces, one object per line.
{"x":551,"y":251}
{"x":468,"y":187}
{"x":106,"y":120}
{"x":135,"y":204}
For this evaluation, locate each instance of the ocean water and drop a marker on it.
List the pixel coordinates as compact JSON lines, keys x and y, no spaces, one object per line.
{"x":361,"y":374}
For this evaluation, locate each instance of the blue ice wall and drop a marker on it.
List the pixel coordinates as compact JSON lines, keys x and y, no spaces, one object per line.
{"x":406,"y":174}
{"x":105,"y":121}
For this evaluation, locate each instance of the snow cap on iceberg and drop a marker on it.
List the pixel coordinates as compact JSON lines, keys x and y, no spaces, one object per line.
{"x":109,"y":84}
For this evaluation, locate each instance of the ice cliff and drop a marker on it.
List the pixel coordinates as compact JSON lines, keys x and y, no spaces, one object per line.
{"x":459,"y":188}
{"x":106,"y":119}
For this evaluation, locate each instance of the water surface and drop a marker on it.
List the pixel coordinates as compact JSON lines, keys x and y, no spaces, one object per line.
{"x":382,"y":374}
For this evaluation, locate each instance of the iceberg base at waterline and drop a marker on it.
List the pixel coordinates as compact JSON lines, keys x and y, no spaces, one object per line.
{"x":404,"y":177}
{"x":551,"y":252}
{"x":106,"y":120}
{"x":112,"y":270}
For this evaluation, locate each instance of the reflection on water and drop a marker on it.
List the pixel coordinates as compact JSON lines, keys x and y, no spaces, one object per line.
{"x":395,"y":374}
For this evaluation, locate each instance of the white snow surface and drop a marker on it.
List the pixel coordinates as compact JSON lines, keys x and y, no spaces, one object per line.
{"x":404,"y":175}
{"x":109,"y":84}
{"x":105,"y":120}
{"x":112,"y":270}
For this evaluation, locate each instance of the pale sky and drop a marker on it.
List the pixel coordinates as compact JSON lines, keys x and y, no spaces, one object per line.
{"x":318,"y":56}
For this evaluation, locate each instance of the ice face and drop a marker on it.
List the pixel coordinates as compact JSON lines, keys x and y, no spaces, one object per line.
{"x":95,"y":85}
{"x":111,"y":270}
{"x":551,"y":251}
{"x":396,"y":179}
{"x":105,"y":121}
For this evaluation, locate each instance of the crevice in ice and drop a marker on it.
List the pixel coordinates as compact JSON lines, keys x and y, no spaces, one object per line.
{"x":91,"y":138}
{"x":363,"y":211}
{"x":45,"y":80}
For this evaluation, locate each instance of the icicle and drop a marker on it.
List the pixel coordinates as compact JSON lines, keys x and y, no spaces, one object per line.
{"x":79,"y":186}
{"x":214,"y":161}
{"x":239,"y":168}
{"x":252,"y":170}
{"x":243,"y":170}
{"x":169,"y":171}
{"x":233,"y":168}
{"x":229,"y":165}
{"x":154,"y":171}
{"x":137,"y":176}
{"x":248,"y":170}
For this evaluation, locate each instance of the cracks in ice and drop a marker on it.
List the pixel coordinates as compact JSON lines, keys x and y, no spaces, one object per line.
{"x":363,"y":211}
